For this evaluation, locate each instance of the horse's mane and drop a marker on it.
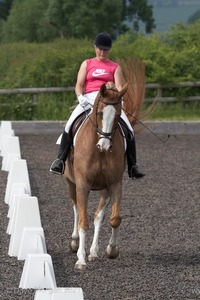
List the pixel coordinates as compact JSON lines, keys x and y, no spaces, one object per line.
{"x":134,"y":73}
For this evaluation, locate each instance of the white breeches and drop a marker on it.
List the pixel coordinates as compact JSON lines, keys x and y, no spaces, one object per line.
{"x":78,"y":110}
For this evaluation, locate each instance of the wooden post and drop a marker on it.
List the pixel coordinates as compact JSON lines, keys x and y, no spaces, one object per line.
{"x":159,"y":92}
{"x":34,"y":99}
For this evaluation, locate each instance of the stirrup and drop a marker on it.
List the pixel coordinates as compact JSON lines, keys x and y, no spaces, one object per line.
{"x":136,"y":171}
{"x":58,"y":167}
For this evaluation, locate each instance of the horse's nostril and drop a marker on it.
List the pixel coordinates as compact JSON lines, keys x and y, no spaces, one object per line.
{"x":99,"y":147}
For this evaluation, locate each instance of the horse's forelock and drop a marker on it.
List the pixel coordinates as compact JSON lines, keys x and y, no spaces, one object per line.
{"x":111,"y":86}
{"x":109,"y":92}
{"x":113,"y":94}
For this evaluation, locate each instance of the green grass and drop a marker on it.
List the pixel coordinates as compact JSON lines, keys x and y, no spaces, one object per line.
{"x":180,"y":111}
{"x":45,"y":107}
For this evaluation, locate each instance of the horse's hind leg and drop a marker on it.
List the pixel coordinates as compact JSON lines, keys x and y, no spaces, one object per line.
{"x":115,"y":221}
{"x":112,"y":250}
{"x":99,"y":216}
{"x":75,"y":236}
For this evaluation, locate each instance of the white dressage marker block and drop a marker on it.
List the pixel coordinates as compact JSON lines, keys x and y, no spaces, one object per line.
{"x":43,"y":295}
{"x":32,"y":241}
{"x":5,"y":128}
{"x":11,"y":145}
{"x":11,"y":151}
{"x":68,"y":293}
{"x":18,"y":174}
{"x":17,"y":189}
{"x":38,"y":272}
{"x":5,"y":125}
{"x":10,"y":228}
{"x":12,"y":214}
{"x":3,"y":140}
{"x":27,"y":214}
{"x":60,"y":294}
{"x":8,"y":159}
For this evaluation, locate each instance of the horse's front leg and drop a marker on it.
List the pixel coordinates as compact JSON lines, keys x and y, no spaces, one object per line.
{"x":98,"y":219}
{"x":82,"y":200}
{"x":115,"y":221}
{"x":75,"y":236}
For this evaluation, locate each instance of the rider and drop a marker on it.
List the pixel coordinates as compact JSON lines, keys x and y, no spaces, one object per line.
{"x":92,"y":74}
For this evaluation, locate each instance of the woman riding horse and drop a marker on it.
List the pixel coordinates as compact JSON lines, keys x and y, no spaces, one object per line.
{"x":97,"y":162}
{"x":92,"y":74}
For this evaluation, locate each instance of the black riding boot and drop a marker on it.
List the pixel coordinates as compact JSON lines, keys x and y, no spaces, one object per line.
{"x":58,"y":166}
{"x":134,"y":169}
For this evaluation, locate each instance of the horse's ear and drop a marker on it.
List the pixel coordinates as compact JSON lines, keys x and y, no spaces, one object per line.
{"x":124,"y":89}
{"x":103,"y":90}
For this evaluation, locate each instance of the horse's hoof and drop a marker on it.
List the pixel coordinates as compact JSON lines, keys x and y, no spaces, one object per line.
{"x":74,"y":245}
{"x":92,"y":257}
{"x":80,"y":267}
{"x":112,"y":252}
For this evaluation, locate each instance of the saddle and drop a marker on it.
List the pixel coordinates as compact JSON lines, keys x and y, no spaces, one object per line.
{"x":77,"y":124}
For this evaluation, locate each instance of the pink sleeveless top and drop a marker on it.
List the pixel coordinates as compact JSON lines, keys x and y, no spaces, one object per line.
{"x":98,"y":72}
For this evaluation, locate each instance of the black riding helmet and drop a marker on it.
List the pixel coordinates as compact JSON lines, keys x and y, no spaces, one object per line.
{"x":103,"y":41}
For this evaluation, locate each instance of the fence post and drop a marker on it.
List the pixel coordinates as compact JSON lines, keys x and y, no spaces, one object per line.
{"x":34,"y":99}
{"x":159,"y":92}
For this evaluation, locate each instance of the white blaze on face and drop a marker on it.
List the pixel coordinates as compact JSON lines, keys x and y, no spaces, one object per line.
{"x":104,"y":144}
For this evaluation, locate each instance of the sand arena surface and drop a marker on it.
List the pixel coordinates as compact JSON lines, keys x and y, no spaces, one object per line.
{"x":159,"y":239}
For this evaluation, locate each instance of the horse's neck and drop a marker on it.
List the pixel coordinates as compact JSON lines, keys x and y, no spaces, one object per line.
{"x":88,"y":131}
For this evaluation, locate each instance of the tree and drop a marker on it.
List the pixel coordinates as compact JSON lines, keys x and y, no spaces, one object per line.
{"x":26,"y":22}
{"x":5,"y":6}
{"x":85,"y":17}
{"x":195,"y":17}
{"x":39,"y":21}
{"x":135,"y":11}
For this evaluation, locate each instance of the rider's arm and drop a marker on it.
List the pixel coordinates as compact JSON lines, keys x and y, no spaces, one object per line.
{"x":79,"y":87}
{"x":119,"y":78}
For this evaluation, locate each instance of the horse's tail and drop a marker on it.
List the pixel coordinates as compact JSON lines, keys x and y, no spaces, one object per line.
{"x":134,"y":73}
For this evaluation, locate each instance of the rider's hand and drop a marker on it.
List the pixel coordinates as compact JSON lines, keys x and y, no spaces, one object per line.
{"x":83,"y":101}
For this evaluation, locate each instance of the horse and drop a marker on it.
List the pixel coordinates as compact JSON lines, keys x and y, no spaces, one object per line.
{"x":97,"y":162}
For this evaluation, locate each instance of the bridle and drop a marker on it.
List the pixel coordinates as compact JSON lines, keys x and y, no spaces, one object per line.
{"x":98,"y":130}
{"x":101,"y":133}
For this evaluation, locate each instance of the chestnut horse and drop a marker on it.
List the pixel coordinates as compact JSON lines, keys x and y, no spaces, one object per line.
{"x":97,"y":162}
